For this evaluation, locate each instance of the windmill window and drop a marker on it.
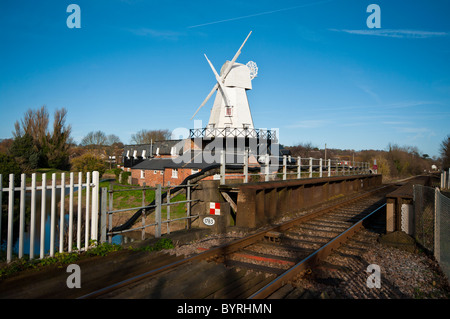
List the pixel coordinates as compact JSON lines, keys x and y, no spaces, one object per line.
{"x":228,"y":111}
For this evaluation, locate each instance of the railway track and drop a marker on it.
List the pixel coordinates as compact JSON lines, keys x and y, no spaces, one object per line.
{"x":259,"y":265}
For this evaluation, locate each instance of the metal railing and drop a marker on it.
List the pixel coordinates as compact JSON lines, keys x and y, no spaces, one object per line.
{"x":36,"y":210}
{"x":226,"y":132}
{"x":107,"y":210}
{"x":269,"y":168}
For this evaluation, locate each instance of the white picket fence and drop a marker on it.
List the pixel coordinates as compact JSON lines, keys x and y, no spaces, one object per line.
{"x":47,"y":237}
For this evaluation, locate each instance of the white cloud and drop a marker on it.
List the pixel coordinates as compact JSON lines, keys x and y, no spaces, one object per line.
{"x":165,"y":34}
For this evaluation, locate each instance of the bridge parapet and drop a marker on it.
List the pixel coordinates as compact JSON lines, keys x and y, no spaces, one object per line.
{"x":260,"y":203}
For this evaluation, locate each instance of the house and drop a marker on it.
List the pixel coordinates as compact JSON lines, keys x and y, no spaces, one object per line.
{"x":163,"y":170}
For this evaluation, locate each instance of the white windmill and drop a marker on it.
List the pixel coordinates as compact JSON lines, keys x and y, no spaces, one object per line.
{"x":231,"y":108}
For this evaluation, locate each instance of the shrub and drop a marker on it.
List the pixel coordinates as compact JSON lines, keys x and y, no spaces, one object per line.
{"x":88,"y":163}
{"x":9,"y":166}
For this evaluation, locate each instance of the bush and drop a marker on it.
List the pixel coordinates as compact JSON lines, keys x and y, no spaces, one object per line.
{"x":88,"y":163}
{"x":9,"y":166}
{"x":117,"y":172}
{"x":124,"y":179}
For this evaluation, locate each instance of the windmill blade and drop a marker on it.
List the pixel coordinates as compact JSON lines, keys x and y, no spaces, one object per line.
{"x":219,"y":80}
{"x":228,"y":69}
{"x":207,"y":98}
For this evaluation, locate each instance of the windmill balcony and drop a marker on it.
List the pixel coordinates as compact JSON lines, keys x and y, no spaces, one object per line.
{"x":233,"y":132}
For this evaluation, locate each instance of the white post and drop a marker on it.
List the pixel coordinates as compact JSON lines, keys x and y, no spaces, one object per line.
{"x":222,"y":167}
{"x":329,"y":167}
{"x":299,"y":167}
{"x":310,"y":167}
{"x":61,"y":213}
{"x":43,"y":213}
{"x":80,"y":188}
{"x":267,"y":161}
{"x":52,"y":216}
{"x":87,"y":220}
{"x":246,"y":166}
{"x":284,"y":167}
{"x":22,"y":214}
{"x":33,"y":214}
{"x":95,"y":206}
{"x":158,"y":211}
{"x":320,"y":168}
{"x":10,"y":218}
{"x":70,"y":242}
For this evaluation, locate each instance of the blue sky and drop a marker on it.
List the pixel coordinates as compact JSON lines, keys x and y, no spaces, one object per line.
{"x":324,"y":76}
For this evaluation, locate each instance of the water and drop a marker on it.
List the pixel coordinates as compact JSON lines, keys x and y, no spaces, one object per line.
{"x":37,"y":228}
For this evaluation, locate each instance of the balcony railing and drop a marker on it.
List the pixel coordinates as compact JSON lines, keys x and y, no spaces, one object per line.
{"x":233,"y":132}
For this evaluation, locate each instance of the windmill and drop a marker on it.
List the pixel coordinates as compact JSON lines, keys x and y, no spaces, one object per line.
{"x":231,"y":108}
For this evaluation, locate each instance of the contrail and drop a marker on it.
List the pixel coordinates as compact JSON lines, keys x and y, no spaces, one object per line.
{"x":258,"y":14}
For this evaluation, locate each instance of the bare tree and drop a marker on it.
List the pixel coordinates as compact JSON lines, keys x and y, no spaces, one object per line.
{"x":51,"y":147}
{"x":35,"y":124}
{"x":445,"y":152}
{"x":94,"y":139}
{"x":146,"y":136}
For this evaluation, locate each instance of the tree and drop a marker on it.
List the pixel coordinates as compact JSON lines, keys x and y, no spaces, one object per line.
{"x":147,"y":136}
{"x":50,"y":148}
{"x":35,"y":124}
{"x":58,"y":143}
{"x":25,"y":153}
{"x":445,"y":152}
{"x":94,"y":139}
{"x":8,"y":165}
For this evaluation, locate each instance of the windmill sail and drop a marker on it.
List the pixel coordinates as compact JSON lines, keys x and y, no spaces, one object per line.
{"x":223,"y":76}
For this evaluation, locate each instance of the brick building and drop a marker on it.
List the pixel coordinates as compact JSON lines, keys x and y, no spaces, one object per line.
{"x":163,"y":170}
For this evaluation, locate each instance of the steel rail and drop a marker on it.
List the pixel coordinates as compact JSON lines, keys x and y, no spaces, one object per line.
{"x":229,"y":248}
{"x":311,"y":260}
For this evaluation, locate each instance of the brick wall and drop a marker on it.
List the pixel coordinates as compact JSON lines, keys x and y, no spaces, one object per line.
{"x":152,"y":179}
